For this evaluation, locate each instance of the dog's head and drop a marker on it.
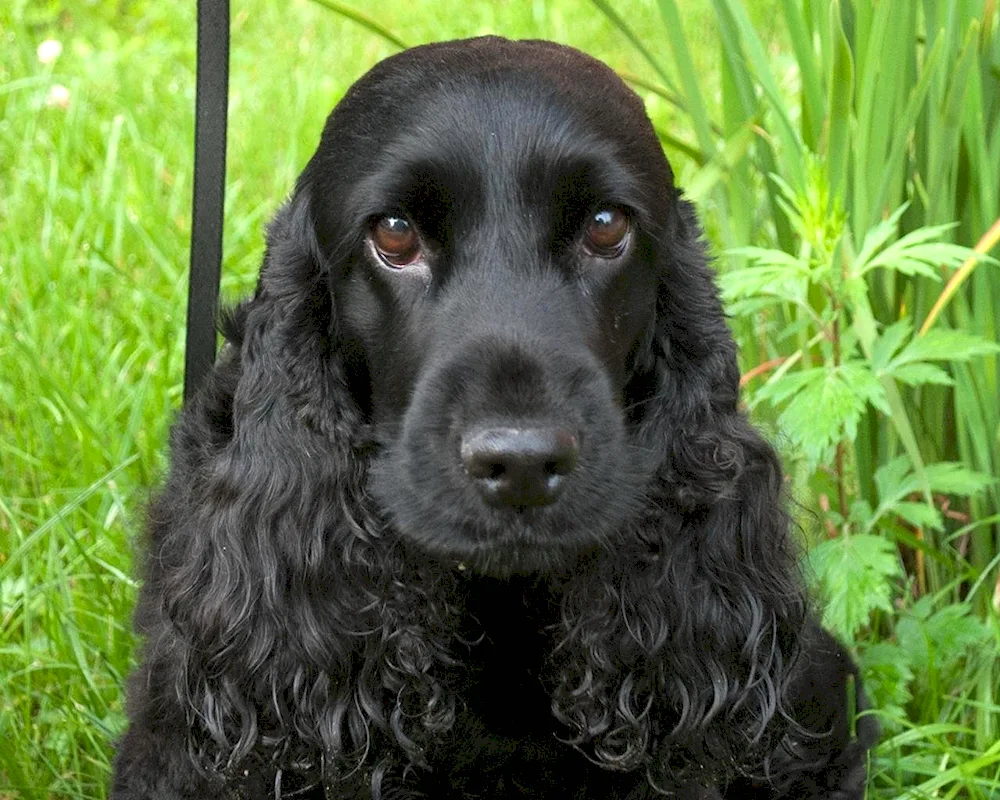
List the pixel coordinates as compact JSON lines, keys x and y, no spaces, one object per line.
{"x":509,"y":261}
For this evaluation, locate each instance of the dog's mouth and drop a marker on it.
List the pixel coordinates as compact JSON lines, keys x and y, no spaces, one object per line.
{"x":485,"y":540}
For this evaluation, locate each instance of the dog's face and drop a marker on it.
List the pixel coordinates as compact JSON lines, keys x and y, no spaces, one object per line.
{"x":493,"y":213}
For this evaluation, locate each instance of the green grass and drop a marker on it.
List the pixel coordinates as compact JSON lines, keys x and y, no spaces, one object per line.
{"x":94,"y":204}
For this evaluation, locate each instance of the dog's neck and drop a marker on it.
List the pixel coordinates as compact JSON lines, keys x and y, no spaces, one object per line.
{"x":510,"y":632}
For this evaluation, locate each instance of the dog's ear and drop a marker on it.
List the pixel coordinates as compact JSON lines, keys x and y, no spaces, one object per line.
{"x":273,"y":604}
{"x":702,"y":621}
{"x":738,"y":601}
{"x":263,"y":488}
{"x":295,"y":424}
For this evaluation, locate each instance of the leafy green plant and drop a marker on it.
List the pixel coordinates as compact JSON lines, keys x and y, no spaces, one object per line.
{"x":897,"y":105}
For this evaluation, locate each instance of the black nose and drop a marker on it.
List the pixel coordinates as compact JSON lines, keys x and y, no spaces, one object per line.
{"x":519,"y":467}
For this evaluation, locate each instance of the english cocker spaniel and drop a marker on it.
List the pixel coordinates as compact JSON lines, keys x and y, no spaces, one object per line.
{"x":467,"y":507}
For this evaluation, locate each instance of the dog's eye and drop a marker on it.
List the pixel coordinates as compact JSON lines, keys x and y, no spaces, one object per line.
{"x":396,"y":240}
{"x":606,"y":233}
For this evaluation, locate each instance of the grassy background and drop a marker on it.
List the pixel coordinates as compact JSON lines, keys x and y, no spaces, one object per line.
{"x":95,"y":184}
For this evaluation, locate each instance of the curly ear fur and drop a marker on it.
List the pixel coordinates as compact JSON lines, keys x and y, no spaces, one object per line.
{"x":676,"y":654}
{"x":240,"y":574}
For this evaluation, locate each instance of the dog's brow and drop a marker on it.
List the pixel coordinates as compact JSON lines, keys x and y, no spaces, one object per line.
{"x":404,"y":180}
{"x":590,"y":180}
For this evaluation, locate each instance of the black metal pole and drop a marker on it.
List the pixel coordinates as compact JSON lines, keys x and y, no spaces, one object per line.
{"x":211,"y":105}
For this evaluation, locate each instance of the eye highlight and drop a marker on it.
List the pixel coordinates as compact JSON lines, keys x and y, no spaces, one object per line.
{"x":395,"y":240}
{"x":606,"y":233}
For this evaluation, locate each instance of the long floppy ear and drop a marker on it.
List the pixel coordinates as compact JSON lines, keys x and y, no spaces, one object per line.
{"x":683,"y":642}
{"x":261,"y":492}
{"x":731,"y":565}
{"x":276,"y":614}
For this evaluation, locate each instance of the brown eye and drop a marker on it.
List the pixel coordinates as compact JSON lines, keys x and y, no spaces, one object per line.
{"x":606,"y":233}
{"x":396,"y":240}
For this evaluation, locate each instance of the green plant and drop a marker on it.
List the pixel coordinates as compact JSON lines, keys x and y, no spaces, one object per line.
{"x":846,"y":367}
{"x":896,"y":106}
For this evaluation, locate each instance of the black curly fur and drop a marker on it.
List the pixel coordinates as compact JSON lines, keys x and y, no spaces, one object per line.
{"x":330,"y":607}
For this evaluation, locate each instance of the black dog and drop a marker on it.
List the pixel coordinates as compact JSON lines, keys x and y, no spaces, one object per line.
{"x":467,"y":508}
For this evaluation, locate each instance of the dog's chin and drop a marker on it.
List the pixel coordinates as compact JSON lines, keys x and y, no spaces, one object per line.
{"x":512,"y":553}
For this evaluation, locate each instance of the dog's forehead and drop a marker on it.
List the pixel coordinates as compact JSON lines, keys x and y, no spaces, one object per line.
{"x":423,"y":72}
{"x":484,"y":79}
{"x":491,"y":104}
